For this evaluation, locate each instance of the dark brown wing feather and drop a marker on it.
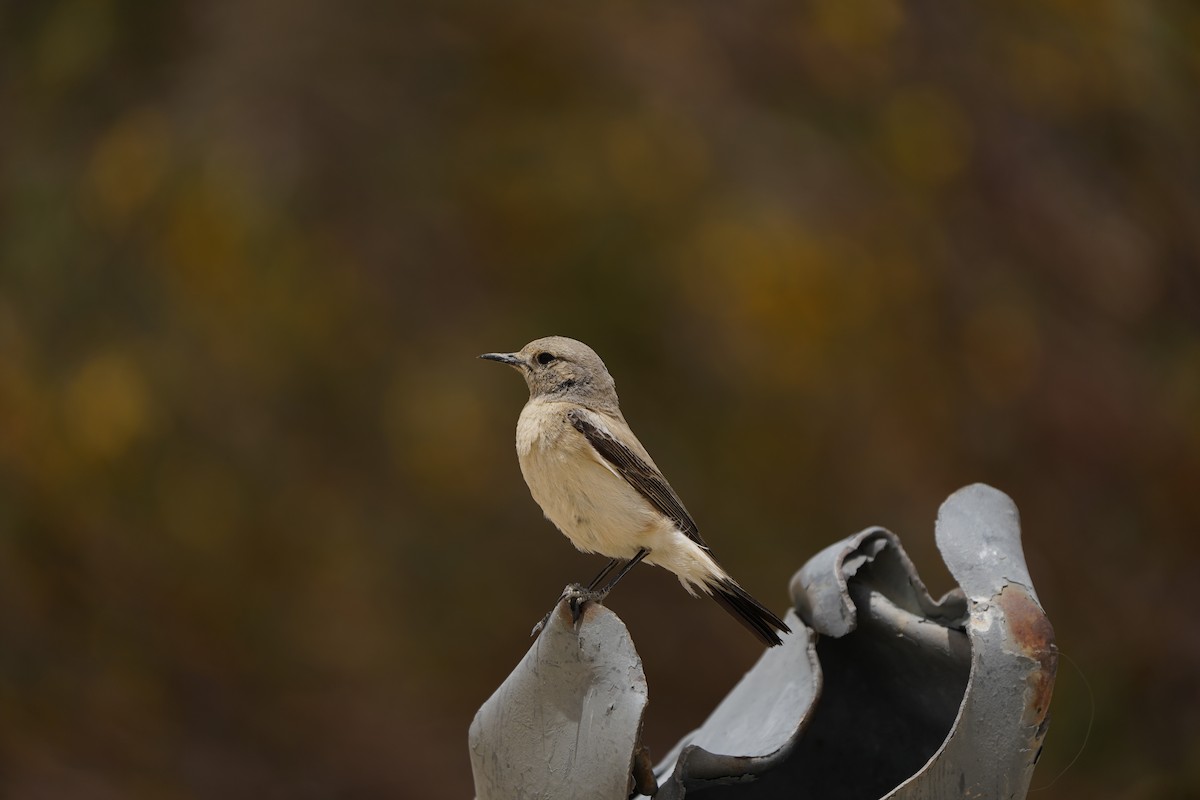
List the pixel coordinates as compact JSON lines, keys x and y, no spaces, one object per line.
{"x":640,"y":475}
{"x":654,"y":487}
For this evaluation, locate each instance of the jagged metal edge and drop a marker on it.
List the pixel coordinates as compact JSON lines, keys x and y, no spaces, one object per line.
{"x":567,"y":721}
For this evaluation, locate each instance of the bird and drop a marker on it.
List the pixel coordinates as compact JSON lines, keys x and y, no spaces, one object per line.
{"x":598,"y":485}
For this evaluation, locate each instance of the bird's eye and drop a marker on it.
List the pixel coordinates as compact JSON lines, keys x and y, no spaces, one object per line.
{"x":545,"y":358}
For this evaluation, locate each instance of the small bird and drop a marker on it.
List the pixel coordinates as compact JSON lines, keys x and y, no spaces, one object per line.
{"x":595,"y":481}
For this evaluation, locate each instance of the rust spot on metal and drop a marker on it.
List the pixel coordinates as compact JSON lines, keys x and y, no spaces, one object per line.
{"x":1033,"y":634}
{"x":642,"y":775}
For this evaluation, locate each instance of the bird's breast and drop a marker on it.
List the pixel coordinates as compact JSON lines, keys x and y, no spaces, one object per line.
{"x":596,"y":509}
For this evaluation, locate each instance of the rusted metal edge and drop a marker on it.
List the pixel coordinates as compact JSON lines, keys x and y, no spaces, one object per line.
{"x":994,"y":744}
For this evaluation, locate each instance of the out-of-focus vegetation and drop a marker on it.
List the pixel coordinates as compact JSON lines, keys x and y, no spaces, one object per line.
{"x":262,"y":532}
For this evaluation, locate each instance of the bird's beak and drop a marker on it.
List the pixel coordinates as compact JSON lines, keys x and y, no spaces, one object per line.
{"x":512,"y":359}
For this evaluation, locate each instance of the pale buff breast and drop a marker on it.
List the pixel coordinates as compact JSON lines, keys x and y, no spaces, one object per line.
{"x":593,"y":506}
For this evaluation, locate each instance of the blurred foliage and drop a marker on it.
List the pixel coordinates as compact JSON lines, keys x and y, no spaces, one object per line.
{"x":262,"y":531}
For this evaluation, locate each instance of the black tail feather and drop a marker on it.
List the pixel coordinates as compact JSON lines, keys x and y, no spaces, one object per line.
{"x":757,"y":618}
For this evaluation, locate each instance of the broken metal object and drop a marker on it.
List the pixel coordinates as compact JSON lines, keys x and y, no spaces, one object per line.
{"x":920,"y":698}
{"x":997,"y":736}
{"x":883,"y":692}
{"x":566,"y":722}
{"x":754,"y":730}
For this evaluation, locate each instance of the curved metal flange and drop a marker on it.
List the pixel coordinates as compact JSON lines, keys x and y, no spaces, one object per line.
{"x":997,"y":737}
{"x":567,"y":721}
{"x":755,"y":727}
{"x":920,"y":698}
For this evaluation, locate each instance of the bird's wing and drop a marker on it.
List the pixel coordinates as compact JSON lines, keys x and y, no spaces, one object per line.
{"x":648,"y":481}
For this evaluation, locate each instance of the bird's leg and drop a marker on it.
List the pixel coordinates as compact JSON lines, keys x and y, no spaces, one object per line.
{"x":578,"y":596}
{"x":596,"y":581}
{"x":630,"y":564}
{"x":591,"y":587}
{"x":577,"y":599}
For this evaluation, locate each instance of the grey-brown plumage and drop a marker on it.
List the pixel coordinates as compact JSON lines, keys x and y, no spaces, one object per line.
{"x":595,"y":481}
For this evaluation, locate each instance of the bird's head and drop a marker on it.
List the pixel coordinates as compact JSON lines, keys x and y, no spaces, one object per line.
{"x":558,"y":367}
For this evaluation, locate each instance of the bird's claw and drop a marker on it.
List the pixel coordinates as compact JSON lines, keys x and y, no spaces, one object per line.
{"x":541,"y":625}
{"x":577,"y":597}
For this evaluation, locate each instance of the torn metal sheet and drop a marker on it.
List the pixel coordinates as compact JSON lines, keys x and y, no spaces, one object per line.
{"x":755,"y":727}
{"x":883,"y":692}
{"x":890,"y":675}
{"x":920,"y":698}
{"x":896,"y":664}
{"x":997,"y":736}
{"x":567,"y":721}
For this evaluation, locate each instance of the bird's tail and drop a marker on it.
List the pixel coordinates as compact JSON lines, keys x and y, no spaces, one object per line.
{"x":757,"y":618}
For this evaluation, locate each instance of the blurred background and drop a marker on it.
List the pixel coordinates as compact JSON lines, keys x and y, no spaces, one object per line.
{"x":262,"y":529}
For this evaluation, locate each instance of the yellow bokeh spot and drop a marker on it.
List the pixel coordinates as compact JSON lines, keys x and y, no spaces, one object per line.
{"x":127,"y":165}
{"x":434,"y":423}
{"x":199,"y":503}
{"x":927,"y":139}
{"x":77,"y":35}
{"x":204,"y":240}
{"x":655,"y":158}
{"x":768,"y":278}
{"x":107,"y":405}
{"x":1044,"y":76}
{"x":856,"y":25}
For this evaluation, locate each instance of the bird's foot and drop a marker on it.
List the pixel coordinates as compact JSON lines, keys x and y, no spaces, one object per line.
{"x":577,"y":596}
